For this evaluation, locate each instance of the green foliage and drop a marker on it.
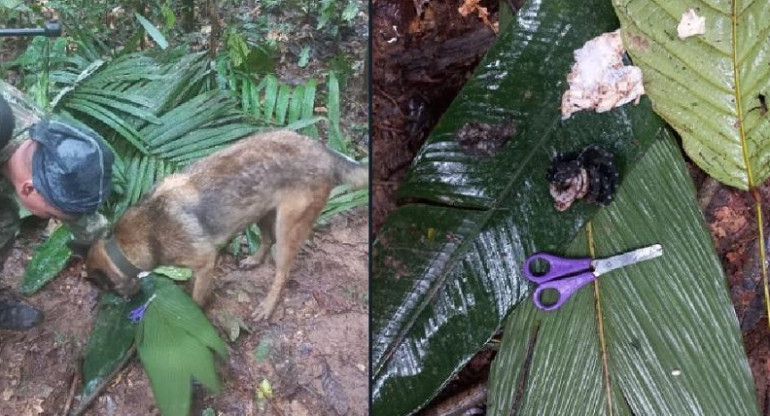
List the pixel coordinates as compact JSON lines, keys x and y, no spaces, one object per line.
{"x":332,"y":14}
{"x":179,"y":274}
{"x":158,"y":113}
{"x":176,"y":342}
{"x":111,"y":337}
{"x":153,"y":31}
{"x":50,"y":258}
{"x":263,"y":350}
{"x":304,"y":56}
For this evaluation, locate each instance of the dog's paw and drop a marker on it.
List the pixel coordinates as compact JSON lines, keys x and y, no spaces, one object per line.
{"x":254,"y":261}
{"x":263,"y":312}
{"x":248,"y":263}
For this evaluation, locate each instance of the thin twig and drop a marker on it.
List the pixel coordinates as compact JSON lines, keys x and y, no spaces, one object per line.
{"x":86,"y":402}
{"x":73,"y":386}
{"x":707,"y":192}
{"x":460,"y":403}
{"x":274,"y":406}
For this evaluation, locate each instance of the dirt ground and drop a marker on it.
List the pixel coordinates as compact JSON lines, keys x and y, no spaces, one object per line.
{"x":317,"y":363}
{"x":409,"y":96}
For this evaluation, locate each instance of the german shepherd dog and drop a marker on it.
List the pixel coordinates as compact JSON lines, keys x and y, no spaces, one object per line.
{"x":279,"y":180}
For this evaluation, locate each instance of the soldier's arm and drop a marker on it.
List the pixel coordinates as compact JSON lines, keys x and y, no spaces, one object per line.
{"x":9,"y":225}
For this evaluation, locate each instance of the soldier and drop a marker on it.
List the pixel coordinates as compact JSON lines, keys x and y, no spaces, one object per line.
{"x":56,"y":170}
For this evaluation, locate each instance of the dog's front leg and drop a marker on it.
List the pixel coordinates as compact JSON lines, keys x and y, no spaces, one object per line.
{"x":204,"y":276}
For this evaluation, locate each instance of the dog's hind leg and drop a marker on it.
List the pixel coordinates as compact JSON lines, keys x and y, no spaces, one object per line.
{"x":296,"y":214}
{"x":267,"y":239}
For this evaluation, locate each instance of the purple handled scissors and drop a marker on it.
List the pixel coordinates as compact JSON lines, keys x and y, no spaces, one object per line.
{"x":566,"y":276}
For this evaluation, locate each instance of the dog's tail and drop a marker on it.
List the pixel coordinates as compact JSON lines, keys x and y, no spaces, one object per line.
{"x":349,"y":172}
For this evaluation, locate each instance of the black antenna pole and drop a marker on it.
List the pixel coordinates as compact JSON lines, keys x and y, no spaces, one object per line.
{"x":52,"y":29}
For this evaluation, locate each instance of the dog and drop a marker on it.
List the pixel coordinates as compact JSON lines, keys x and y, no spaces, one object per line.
{"x":279,"y":180}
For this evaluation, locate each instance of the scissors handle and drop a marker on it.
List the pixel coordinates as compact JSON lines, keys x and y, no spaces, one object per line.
{"x":557,"y":267}
{"x":565,"y":288}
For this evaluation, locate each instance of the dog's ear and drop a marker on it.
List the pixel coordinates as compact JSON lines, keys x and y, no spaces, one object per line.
{"x":79,"y":248}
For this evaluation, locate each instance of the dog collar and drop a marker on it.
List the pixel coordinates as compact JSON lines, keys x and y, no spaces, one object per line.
{"x":119,"y":259}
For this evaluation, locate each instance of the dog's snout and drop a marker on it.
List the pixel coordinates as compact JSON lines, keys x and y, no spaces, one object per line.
{"x":129,"y":287}
{"x":99,"y":280}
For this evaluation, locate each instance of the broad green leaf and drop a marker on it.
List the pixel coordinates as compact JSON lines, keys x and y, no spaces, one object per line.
{"x":666,"y":327}
{"x":710,"y":87}
{"x":49,"y":259}
{"x":447,"y":273}
{"x":174,"y":341}
{"x":174,"y":273}
{"x":153,"y":31}
{"x":111,"y":337}
{"x":177,"y":306}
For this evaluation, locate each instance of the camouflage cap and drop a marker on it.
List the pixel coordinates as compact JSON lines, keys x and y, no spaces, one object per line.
{"x":72,"y":167}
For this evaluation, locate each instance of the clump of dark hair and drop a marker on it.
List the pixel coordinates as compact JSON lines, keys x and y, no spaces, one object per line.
{"x":589,"y":173}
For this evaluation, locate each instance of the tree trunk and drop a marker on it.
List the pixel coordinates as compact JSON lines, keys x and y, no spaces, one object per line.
{"x":188,"y":15}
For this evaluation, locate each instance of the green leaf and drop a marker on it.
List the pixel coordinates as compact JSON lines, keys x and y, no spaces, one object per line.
{"x":708,"y":87}
{"x":304,"y":56}
{"x":179,"y":274}
{"x":49,"y":259}
{"x":177,"y":306}
{"x":271,"y":95}
{"x":303,"y":123}
{"x":350,"y":11}
{"x":295,"y":107}
{"x":168,"y":14}
{"x":263,"y":350}
{"x":110,"y":340}
{"x":282,"y":105}
{"x":666,"y":327}
{"x":446,"y":272}
{"x":174,"y":341}
{"x":153,"y":31}
{"x":336,"y":140}
{"x":343,"y":199}
{"x":308,"y":107}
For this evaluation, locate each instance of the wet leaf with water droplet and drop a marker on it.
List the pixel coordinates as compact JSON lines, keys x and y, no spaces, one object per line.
{"x":436,"y":302}
{"x":666,"y":327}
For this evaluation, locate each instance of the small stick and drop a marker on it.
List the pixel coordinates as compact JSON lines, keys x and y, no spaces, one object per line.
{"x":73,"y":385}
{"x":462,"y":402}
{"x":274,"y":406}
{"x":707,"y":192}
{"x":86,"y":402}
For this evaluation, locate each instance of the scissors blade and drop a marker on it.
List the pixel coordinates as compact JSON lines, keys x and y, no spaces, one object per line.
{"x":622,"y":260}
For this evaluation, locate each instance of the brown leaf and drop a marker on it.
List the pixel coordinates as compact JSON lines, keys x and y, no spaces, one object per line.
{"x":335,"y":392}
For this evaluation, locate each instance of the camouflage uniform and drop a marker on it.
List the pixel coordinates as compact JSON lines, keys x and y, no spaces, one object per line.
{"x":85,"y":229}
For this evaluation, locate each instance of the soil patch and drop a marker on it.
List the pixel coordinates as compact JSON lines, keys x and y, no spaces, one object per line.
{"x":314,"y":350}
